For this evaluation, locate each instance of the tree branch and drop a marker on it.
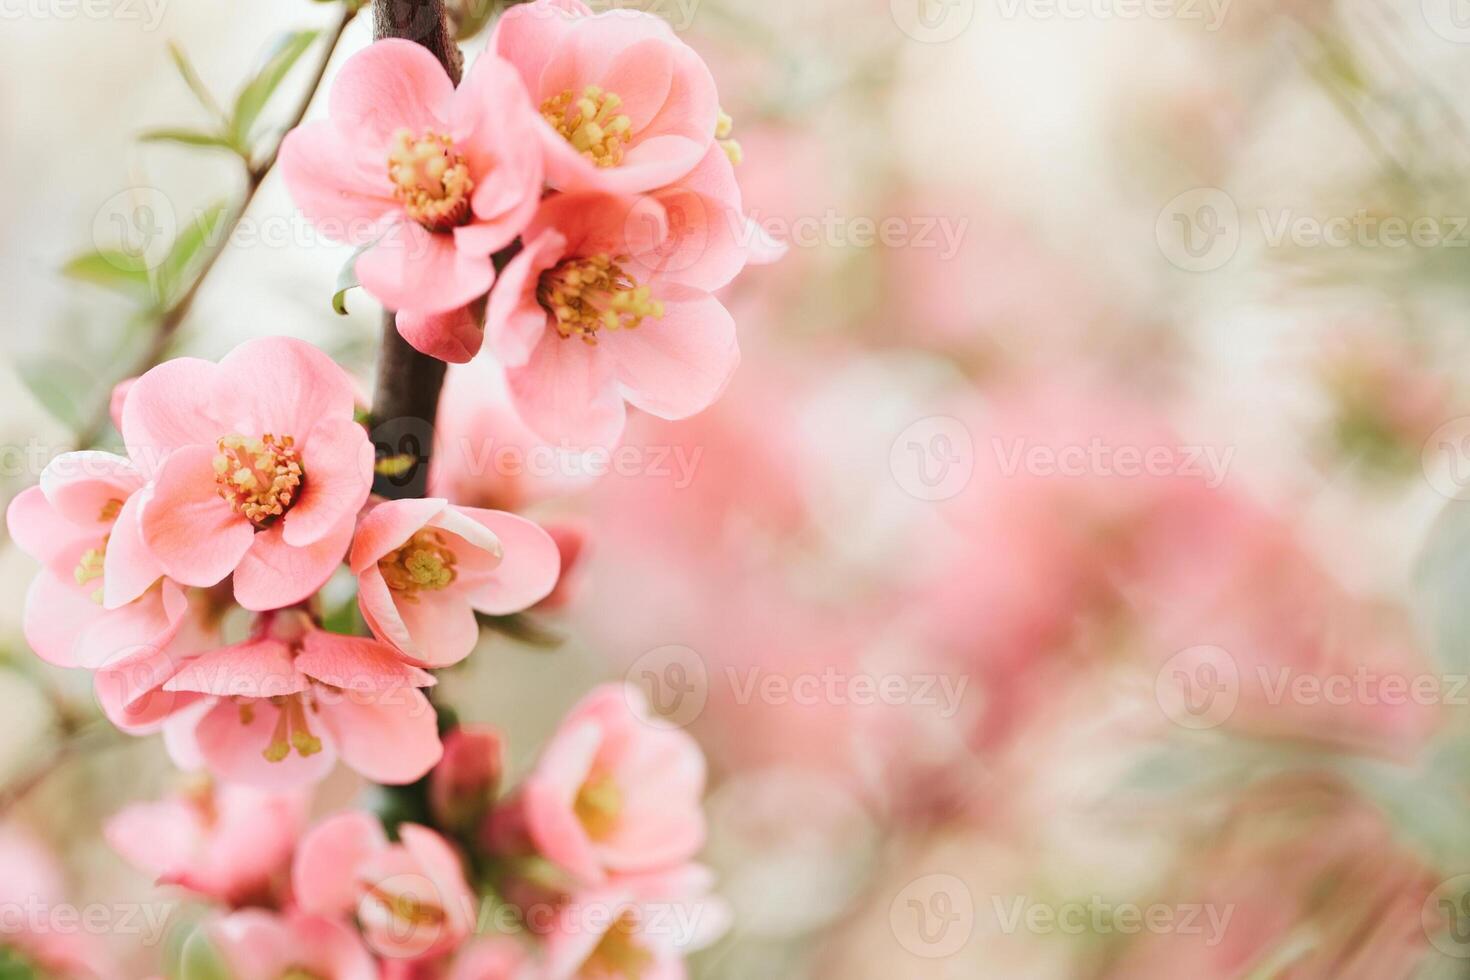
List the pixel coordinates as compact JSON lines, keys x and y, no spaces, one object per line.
{"x":406,"y":399}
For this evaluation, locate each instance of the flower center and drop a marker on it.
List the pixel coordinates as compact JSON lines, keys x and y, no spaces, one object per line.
{"x":598,"y":804}
{"x":591,"y":294}
{"x":591,"y":123}
{"x":259,"y":478}
{"x":430,"y":180}
{"x":299,"y":973}
{"x":406,"y":907}
{"x":292,"y":730}
{"x":618,"y":955}
{"x":424,"y":561}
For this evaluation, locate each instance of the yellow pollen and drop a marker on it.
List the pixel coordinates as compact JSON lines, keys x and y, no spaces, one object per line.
{"x":291,"y":730}
{"x":430,"y":180}
{"x":724,"y":126}
{"x":597,"y":806}
{"x":259,"y":478}
{"x":590,"y":294}
{"x":408,"y":908}
{"x":423,"y":562}
{"x":591,"y":123}
{"x":89,"y":568}
{"x":110,"y":510}
{"x":618,"y":955}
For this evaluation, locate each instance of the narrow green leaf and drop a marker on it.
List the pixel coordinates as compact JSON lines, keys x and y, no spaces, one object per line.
{"x":257,"y":92}
{"x":120,"y":271}
{"x":192,"y":79}
{"x":189,"y":137}
{"x":192,"y":243}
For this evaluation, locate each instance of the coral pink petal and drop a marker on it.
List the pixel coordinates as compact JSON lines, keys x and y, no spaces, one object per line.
{"x":282,"y":386}
{"x":442,"y":627}
{"x":332,"y":950}
{"x":187,"y":525}
{"x":528,"y":36}
{"x":388,"y":526}
{"x":39,"y":531}
{"x":357,"y":665}
{"x":82,"y":486}
{"x":255,"y":669}
{"x":394,"y":739}
{"x":415,"y":269}
{"x":641,"y":74}
{"x":232,"y":748}
{"x":442,"y":866}
{"x":514,"y":320}
{"x":390,"y":85}
{"x":56,"y":612}
{"x":380,"y":612}
{"x":567,"y":392}
{"x":655,"y":161}
{"x":126,"y":631}
{"x":273,"y":574}
{"x":170,"y":407}
{"x":324,"y":874}
{"x":528,"y":569}
{"x":337,"y":459}
{"x":676,"y":366}
{"x":339,"y":196}
{"x":454,"y":337}
{"x":129,"y":568}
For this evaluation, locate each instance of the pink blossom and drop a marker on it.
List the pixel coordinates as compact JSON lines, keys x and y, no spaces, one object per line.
{"x":260,"y":945}
{"x":638,"y":925}
{"x":610,"y":300}
{"x":625,"y":105}
{"x":464,"y":783}
{"x":617,"y":790}
{"x":286,"y":703}
{"x":424,"y":567}
{"x":226,"y":842}
{"x":256,"y":468}
{"x":433,"y":177}
{"x":32,"y":888}
{"x":410,"y":898}
{"x":99,"y":595}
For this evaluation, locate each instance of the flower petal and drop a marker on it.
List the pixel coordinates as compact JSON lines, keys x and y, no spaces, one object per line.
{"x":283,"y":387}
{"x":415,"y":269}
{"x":342,"y":199}
{"x":454,"y":337}
{"x":259,"y":668}
{"x":337,"y":459}
{"x":567,"y":392}
{"x":170,"y":407}
{"x":273,"y":574}
{"x":129,"y":568}
{"x":393,"y":739}
{"x":232,"y":743}
{"x":390,"y":85}
{"x":528,"y":568}
{"x":676,"y":366}
{"x":323,"y":877}
{"x":186,"y":524}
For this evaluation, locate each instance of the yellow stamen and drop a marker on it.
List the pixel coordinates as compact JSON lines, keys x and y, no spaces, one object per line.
{"x":589,"y":294}
{"x":423,"y":562}
{"x":618,"y":954}
{"x":110,"y":510}
{"x":260,"y":478}
{"x":291,"y":730}
{"x":724,"y":126}
{"x":598,"y":805}
{"x":591,"y":123}
{"x":430,"y":180}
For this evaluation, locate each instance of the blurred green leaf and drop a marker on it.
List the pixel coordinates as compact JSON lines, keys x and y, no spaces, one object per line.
{"x":199,"y":960}
{"x":257,"y":92}
{"x":189,"y":137}
{"x":112,"y":269}
{"x":59,"y":386}
{"x":472,"y":17}
{"x":192,"y":79}
{"x":190,"y":247}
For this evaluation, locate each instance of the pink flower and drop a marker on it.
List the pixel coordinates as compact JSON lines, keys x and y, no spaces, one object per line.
{"x":424,"y":567}
{"x":410,"y":898}
{"x":496,"y":958}
{"x":284,"y":704}
{"x":625,"y":105}
{"x":257,"y":468}
{"x":95,"y":599}
{"x":616,"y":790}
{"x":464,"y":783}
{"x":226,"y":842}
{"x":641,"y":925}
{"x":610,"y":300}
{"x":260,"y":945}
{"x":435,"y":178}
{"x":32,"y":890}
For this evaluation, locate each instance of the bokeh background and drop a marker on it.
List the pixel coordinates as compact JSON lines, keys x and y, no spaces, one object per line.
{"x":1072,"y":583}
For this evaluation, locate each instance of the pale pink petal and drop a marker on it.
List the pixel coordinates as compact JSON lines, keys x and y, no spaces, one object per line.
{"x":380,"y":612}
{"x":255,"y":669}
{"x":39,"y":531}
{"x":415,"y":269}
{"x":443,"y":867}
{"x":129,"y":568}
{"x":83,"y":486}
{"x":641,"y":74}
{"x":678,"y":365}
{"x":527,"y":35}
{"x":255,"y":944}
{"x":357,"y":664}
{"x":170,"y":407}
{"x":454,"y":336}
{"x":186,"y":524}
{"x":324,"y":875}
{"x":548,"y":795}
{"x":332,"y":950}
{"x":390,"y":85}
{"x":343,"y":199}
{"x":273,"y":574}
{"x":283,"y":387}
{"x":147,"y":622}
{"x":393,"y":739}
{"x":441,"y":627}
{"x":567,"y":392}
{"x":232,"y":748}
{"x":337,"y":458}
{"x":514,"y":319}
{"x":56,"y":612}
{"x":389,"y":525}
{"x":528,"y":569}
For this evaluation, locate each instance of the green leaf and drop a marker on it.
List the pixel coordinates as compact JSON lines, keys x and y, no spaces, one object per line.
{"x":192,"y":79}
{"x":190,"y":246}
{"x":112,"y":269}
{"x":257,"y":92}
{"x":199,"y":960}
{"x":58,"y":386}
{"x":189,"y":137}
{"x":473,"y":16}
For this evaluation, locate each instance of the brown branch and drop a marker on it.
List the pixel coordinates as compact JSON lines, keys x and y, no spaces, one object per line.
{"x":407,"y":396}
